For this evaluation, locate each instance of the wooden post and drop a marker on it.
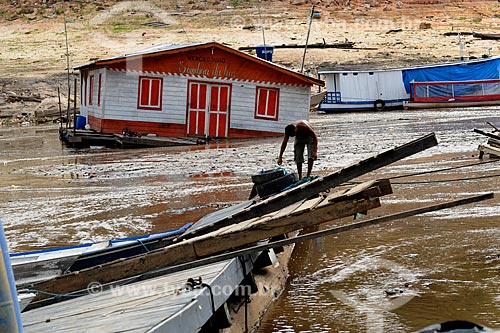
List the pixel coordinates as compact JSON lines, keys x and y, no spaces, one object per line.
{"x":74,"y":111}
{"x":60,"y":109}
{"x":307,"y":40}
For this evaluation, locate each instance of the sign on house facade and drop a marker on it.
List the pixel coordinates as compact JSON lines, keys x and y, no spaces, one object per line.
{"x":180,"y":90}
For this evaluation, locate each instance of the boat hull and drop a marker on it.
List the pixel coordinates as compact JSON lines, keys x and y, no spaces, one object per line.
{"x":437,"y":105}
{"x":358,"y":106}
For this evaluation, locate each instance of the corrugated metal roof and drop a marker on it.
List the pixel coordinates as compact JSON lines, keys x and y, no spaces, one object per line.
{"x":155,"y":49}
{"x":149,"y":50}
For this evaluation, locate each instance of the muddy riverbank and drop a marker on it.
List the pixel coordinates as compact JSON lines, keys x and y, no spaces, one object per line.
{"x":53,"y":196}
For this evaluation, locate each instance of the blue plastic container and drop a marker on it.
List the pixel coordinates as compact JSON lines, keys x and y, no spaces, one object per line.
{"x":10,"y":314}
{"x":265,"y":52}
{"x":81,"y":121}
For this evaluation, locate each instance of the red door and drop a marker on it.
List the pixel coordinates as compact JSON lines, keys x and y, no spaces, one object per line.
{"x":208,"y":109}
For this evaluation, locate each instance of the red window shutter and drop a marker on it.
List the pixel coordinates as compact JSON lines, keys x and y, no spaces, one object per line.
{"x":271,"y":104}
{"x":91,"y":90}
{"x":99,"y":90}
{"x":83,"y":93}
{"x":155,"y":93}
{"x":144,"y":98}
{"x":261,"y":103}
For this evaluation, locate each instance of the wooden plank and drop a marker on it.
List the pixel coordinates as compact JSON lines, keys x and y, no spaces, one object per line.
{"x":494,"y":143}
{"x":337,"y":194}
{"x":161,"y":306}
{"x":490,"y":150}
{"x":106,"y":273}
{"x":307,"y":206}
{"x":310,"y":189}
{"x":365,"y":190}
{"x":288,"y":210}
{"x":206,"y":246}
{"x":490,"y":135}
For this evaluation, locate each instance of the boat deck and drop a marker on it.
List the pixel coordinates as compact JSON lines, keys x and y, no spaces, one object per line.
{"x":162,"y":304}
{"x":82,"y":138}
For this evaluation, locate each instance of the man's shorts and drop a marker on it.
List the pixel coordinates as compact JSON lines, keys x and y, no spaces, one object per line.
{"x":299,"y":146}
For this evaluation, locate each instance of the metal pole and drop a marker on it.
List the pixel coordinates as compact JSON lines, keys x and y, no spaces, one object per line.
{"x":307,"y":40}
{"x":67,"y":63}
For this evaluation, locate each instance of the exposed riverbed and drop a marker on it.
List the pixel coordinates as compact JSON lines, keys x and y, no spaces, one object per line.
{"x":443,"y":265}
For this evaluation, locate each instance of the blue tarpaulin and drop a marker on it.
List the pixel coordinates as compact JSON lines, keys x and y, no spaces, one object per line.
{"x":487,"y":69}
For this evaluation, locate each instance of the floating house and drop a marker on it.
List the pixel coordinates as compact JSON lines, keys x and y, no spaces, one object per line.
{"x":464,"y":83}
{"x":199,"y":89}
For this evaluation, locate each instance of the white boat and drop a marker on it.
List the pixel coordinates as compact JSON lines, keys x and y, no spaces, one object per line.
{"x":398,"y":88}
{"x":36,"y":266}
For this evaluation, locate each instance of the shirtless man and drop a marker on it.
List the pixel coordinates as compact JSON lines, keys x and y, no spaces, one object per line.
{"x":304,"y":136}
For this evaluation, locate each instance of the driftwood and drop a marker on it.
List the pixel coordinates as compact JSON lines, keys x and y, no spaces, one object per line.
{"x":47,"y":113}
{"x":490,"y":135}
{"x":342,"y":45}
{"x":12,"y":98}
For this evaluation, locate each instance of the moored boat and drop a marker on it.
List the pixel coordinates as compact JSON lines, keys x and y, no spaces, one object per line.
{"x":454,"y":94}
{"x":37,"y":266}
{"x":491,"y":36}
{"x":463,"y":83}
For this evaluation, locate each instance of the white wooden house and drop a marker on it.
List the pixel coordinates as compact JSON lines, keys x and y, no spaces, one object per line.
{"x":202,"y":89}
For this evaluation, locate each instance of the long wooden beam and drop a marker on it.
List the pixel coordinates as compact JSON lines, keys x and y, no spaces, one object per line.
{"x":490,"y":135}
{"x":312,"y":212}
{"x":310,"y":189}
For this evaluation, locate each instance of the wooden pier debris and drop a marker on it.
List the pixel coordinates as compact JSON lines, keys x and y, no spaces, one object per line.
{"x":82,"y":138}
{"x":164,"y":304}
{"x":185,"y":250}
{"x":312,"y":212}
{"x":327,"y":232}
{"x":310,"y":189}
{"x":324,"y":45}
{"x":492,"y":147}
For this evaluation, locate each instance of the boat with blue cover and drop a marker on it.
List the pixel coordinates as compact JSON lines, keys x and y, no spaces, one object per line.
{"x":461,"y":83}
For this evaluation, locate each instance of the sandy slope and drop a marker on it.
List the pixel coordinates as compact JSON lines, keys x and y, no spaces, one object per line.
{"x":386,"y":33}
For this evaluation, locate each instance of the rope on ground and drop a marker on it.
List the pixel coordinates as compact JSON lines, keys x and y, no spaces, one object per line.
{"x":439,"y":170}
{"x":54,"y":294}
{"x":444,"y":169}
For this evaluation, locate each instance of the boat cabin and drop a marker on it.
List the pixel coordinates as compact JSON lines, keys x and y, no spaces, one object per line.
{"x":471,"y":82}
{"x":199,"y":89}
